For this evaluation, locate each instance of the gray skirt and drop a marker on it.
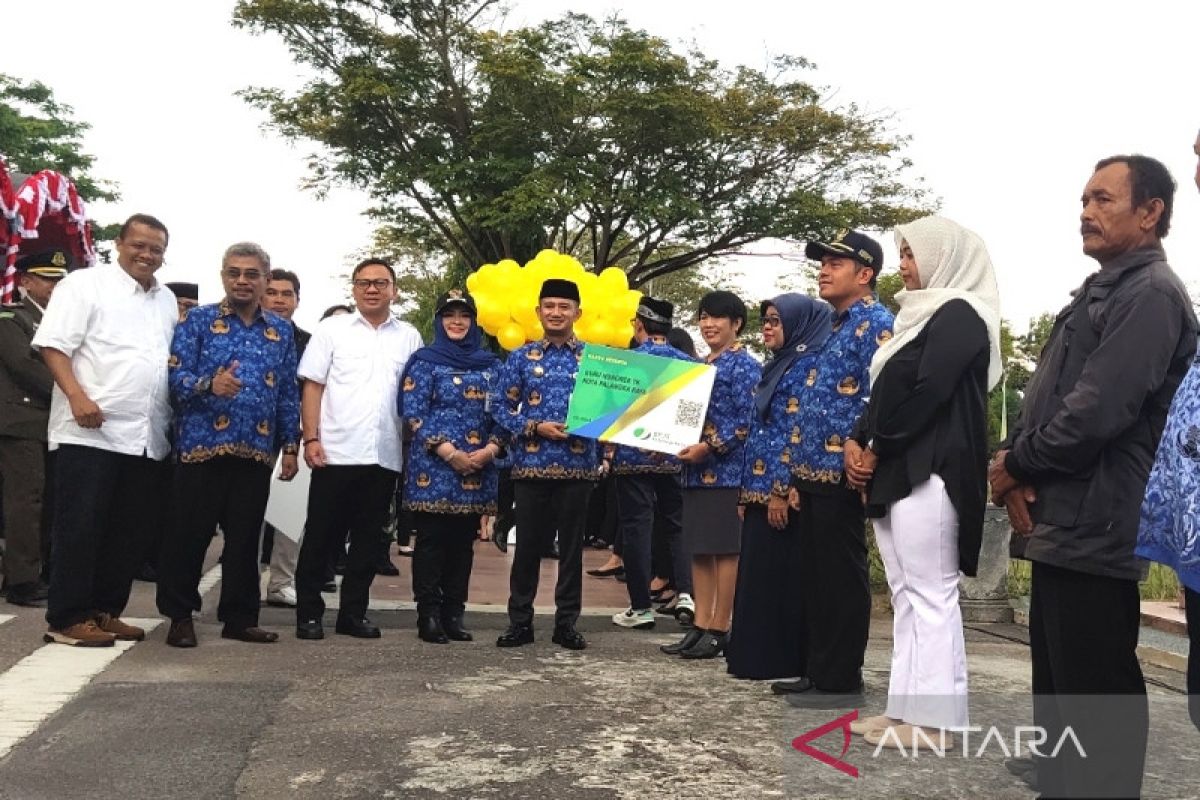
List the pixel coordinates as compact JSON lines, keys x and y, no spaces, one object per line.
{"x":710,"y":522}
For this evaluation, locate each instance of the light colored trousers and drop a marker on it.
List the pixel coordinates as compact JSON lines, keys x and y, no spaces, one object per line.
{"x":284,"y":555}
{"x":918,"y":540}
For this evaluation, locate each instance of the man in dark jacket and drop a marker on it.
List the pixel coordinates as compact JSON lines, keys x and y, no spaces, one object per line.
{"x":25,"y":386}
{"x":1073,"y":474}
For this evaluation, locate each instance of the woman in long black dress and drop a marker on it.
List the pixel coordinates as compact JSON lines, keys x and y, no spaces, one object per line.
{"x":921,"y":453}
{"x":767,"y":638}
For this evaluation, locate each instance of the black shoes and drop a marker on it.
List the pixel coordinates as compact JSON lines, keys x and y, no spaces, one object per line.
{"x":569,"y":638}
{"x":515,"y":636}
{"x":689,"y":639}
{"x":386,"y":567}
{"x":454,"y":630}
{"x":310,"y":629}
{"x":429,"y":629}
{"x":711,"y":645}
{"x":252,"y":634}
{"x":500,"y":539}
{"x":358,"y":627}
{"x":823,"y":698}
{"x":601,"y":572}
{"x":30,"y":595}
{"x":794,"y":686}
{"x":182,"y":633}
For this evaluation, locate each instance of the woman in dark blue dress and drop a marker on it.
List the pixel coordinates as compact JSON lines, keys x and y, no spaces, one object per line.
{"x":767,"y":637}
{"x":450,"y":477}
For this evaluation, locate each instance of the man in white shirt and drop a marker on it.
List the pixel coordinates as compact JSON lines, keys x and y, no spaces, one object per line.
{"x":351,"y":371}
{"x":106,"y":340}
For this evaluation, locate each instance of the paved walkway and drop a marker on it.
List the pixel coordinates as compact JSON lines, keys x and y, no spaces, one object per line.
{"x":395,"y":717}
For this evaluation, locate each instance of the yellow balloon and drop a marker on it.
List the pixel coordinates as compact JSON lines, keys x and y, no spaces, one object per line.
{"x":473,"y":284}
{"x":532,"y":334}
{"x":621,"y":335}
{"x":615,"y":279}
{"x":601,"y":331}
{"x":628,"y":303}
{"x":511,"y":336}
{"x":492,"y":316}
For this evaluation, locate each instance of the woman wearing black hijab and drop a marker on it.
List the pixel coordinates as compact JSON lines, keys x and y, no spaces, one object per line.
{"x":767,"y":637}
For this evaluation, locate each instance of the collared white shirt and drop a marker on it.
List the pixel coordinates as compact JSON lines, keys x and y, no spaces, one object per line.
{"x":360,"y":366}
{"x":118,"y":336}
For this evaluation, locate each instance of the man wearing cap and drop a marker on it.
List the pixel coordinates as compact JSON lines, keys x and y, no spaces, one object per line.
{"x":553,"y":472}
{"x":233,"y":380}
{"x":25,"y":386}
{"x":351,"y":371}
{"x":187,"y":296}
{"x":647,"y":483}
{"x":106,"y":339}
{"x":833,"y":546}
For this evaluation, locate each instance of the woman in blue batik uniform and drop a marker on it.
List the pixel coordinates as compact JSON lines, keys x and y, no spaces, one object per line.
{"x":451,"y":480}
{"x":768,"y":617}
{"x":712,"y":473}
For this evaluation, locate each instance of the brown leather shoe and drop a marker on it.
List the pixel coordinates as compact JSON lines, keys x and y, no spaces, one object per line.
{"x":81,"y":634}
{"x":254,"y":635}
{"x":182,"y":633}
{"x":124,"y":633}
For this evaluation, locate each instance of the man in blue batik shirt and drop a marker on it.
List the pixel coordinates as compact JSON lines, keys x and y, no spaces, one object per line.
{"x":833,"y":545}
{"x":553,"y":472}
{"x":648,"y":483}
{"x":232,"y":375}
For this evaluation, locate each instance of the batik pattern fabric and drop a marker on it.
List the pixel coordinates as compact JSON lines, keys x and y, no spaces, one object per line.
{"x":633,"y":460}
{"x":771,"y":448}
{"x":535,"y":386}
{"x":727,"y":423}
{"x":835,"y":392}
{"x":442,"y":404}
{"x":263,"y":418}
{"x":1169,"y":532}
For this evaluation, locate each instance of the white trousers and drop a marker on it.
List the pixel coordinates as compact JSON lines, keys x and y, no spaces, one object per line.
{"x":918,"y":540}
{"x":285,"y":554}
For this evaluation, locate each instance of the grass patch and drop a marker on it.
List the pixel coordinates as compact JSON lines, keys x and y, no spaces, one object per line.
{"x":1161,"y":583}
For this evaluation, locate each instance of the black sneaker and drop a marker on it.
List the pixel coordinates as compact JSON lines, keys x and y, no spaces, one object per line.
{"x":515,"y":636}
{"x":689,"y":639}
{"x":569,"y":638}
{"x":793,"y":686}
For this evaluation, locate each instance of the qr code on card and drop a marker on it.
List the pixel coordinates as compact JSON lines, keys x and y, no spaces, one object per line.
{"x":689,"y":413}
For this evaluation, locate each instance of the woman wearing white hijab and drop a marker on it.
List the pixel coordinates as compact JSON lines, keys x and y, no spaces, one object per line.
{"x":920,"y":454}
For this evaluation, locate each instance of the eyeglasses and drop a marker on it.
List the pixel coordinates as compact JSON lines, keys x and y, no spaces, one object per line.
{"x":771,"y":322}
{"x":366,"y":283}
{"x":233,"y":273}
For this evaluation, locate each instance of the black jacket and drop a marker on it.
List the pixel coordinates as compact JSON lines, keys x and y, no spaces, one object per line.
{"x":1094,"y":411}
{"x":928,"y":415}
{"x":25,"y":381}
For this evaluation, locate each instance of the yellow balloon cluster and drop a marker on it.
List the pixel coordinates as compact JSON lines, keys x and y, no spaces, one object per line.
{"x":506,"y":298}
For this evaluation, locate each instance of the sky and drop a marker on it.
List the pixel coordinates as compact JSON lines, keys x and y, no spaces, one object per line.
{"x":1008,"y":106}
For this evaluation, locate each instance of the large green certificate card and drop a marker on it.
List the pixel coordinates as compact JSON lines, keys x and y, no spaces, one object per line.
{"x":645,"y":401}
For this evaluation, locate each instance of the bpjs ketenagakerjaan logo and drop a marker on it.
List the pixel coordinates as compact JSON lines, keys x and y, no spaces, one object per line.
{"x":967,"y":742}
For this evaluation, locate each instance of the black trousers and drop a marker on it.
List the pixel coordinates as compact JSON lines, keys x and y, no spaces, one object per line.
{"x":23,"y":467}
{"x":229,"y":492}
{"x":506,"y":516}
{"x":441,"y":568}
{"x":1083,"y":635}
{"x":1191,"y":601}
{"x":540,"y":503}
{"x":639,"y":499}
{"x":340,"y":497}
{"x":836,"y":585}
{"x":101,"y":520}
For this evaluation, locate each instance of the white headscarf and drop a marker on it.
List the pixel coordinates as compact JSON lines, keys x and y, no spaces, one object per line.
{"x":953,"y":264}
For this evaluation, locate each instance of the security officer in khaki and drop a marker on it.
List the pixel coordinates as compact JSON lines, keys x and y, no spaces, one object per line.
{"x":25,"y":386}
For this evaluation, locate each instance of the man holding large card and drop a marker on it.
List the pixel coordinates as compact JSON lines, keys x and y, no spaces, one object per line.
{"x":553,"y":472}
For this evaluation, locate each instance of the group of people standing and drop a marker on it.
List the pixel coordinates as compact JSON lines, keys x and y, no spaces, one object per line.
{"x":855,"y":415}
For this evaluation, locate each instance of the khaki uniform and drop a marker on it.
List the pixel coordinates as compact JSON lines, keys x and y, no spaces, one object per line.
{"x":25,"y":386}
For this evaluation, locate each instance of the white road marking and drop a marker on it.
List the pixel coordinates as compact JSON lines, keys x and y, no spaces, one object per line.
{"x":47,"y":679}
{"x":210,"y":579}
{"x":6,"y":617}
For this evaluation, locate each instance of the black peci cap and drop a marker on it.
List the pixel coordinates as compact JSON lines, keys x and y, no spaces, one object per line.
{"x":656,"y":310}
{"x":187,"y":291}
{"x":559,"y":288}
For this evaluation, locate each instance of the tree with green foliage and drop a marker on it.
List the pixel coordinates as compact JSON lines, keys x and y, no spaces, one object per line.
{"x":37,"y":132}
{"x":592,"y":138}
